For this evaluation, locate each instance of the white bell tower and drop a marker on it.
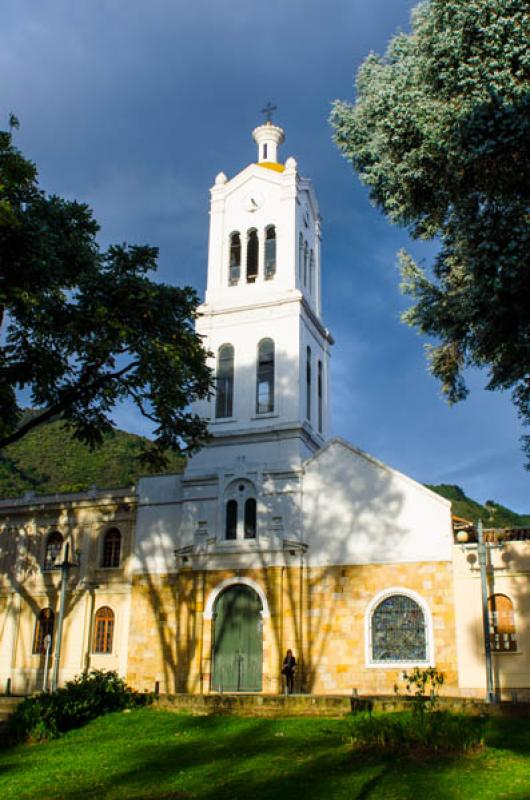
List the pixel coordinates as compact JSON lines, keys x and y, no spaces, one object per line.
{"x":261,"y":318}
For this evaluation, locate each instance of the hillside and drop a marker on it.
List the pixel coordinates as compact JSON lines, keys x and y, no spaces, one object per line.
{"x":492,"y":514}
{"x":49,"y":460}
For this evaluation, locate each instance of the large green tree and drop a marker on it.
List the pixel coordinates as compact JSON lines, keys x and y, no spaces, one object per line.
{"x":440,"y":133}
{"x":83,"y":329}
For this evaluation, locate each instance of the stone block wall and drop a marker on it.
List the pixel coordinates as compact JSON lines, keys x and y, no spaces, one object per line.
{"x":318,"y":613}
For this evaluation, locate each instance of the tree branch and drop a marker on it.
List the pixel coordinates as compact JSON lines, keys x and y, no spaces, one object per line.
{"x":63,"y":404}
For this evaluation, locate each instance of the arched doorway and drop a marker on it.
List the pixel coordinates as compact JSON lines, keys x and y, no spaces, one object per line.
{"x":237,"y":641}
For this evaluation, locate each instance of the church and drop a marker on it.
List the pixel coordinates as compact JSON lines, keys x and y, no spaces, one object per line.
{"x":274,"y":537}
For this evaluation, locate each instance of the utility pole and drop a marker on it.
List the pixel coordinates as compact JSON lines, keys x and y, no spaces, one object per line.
{"x":64,"y":567}
{"x":482,"y":552}
{"x":484,"y":560}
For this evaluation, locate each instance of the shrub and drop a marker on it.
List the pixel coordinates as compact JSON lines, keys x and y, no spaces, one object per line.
{"x":417,"y":683}
{"x":91,"y":694}
{"x":410,"y":733}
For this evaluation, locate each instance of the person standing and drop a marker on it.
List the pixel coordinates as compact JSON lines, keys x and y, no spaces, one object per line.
{"x":288,"y":669}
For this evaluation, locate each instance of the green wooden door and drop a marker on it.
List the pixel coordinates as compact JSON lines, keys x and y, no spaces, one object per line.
{"x":238,"y":641}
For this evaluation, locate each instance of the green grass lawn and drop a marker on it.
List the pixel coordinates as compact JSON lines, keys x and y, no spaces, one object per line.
{"x":158,"y":755}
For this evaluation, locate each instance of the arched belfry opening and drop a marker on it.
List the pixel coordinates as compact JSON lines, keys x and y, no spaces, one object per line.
{"x":237,"y":648}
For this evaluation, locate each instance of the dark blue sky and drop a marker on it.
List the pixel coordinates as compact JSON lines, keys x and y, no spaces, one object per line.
{"x":135,"y":106}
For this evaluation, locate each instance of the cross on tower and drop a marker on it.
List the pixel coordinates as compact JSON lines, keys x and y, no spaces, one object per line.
{"x":268,"y":110}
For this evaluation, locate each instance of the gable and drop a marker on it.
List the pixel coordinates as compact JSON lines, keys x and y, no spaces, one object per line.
{"x":358,"y":510}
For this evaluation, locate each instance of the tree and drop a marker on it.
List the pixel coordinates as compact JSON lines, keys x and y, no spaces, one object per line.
{"x":440,"y":133}
{"x":82,"y":329}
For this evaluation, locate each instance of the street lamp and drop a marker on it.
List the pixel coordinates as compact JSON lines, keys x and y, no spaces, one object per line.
{"x":64,"y":567}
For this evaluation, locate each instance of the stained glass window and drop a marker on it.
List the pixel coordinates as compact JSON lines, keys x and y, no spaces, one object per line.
{"x":398,"y":630}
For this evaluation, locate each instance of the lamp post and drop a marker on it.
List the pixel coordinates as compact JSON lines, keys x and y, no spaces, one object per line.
{"x":64,"y":567}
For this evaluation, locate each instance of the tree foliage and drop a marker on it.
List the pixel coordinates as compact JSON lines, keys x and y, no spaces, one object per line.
{"x":440,"y":133}
{"x":82,"y":329}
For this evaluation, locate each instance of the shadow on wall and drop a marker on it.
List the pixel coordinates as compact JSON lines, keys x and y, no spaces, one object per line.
{"x":357,"y":510}
{"x":30,"y":589}
{"x":511,"y":673}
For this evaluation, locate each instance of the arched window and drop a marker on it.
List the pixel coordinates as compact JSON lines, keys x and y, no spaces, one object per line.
{"x":398,"y":631}
{"x":103,"y":630}
{"x":503,"y":636}
{"x":231,"y":520}
{"x":265,"y":377}
{"x":54,"y":545}
{"x":308,"y":383}
{"x":224,"y":399}
{"x":320,"y":389}
{"x":240,"y":510}
{"x":234,"y":271}
{"x":300,"y":256}
{"x":252,"y":255}
{"x":110,"y":556}
{"x":43,"y":627}
{"x":311,"y":272}
{"x":270,"y":252}
{"x":250,"y":518}
{"x":306,"y":259}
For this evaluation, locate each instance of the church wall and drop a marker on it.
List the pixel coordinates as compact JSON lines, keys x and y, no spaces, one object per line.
{"x":319,"y":613}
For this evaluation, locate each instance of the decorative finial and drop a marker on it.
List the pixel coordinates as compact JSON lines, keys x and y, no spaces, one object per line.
{"x":268,"y":111}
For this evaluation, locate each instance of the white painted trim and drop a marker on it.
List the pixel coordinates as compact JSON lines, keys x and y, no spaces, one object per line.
{"x":214,"y":594}
{"x":379,"y":597}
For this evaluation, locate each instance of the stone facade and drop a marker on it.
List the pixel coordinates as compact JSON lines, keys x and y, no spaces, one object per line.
{"x":318,"y":613}
{"x":26,"y":588}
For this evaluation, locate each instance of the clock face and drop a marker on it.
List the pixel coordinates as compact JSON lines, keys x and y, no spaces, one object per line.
{"x":252,"y":201}
{"x":307,"y":217}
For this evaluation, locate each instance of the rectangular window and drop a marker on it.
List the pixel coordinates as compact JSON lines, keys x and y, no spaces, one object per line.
{"x":320,"y":381}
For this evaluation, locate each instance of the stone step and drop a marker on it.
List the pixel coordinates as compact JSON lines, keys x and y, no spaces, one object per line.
{"x":299,"y":705}
{"x":7,"y":706}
